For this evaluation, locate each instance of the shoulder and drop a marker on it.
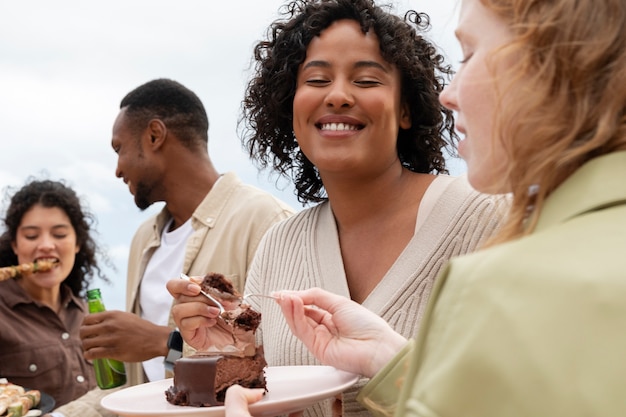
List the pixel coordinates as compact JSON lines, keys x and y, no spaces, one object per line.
{"x":462,"y":210}
{"x":304,"y":218}
{"x":297,"y":226}
{"x":583,"y":250}
{"x":458,"y":191}
{"x":243,"y":197}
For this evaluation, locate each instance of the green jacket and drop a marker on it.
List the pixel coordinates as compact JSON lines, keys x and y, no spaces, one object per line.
{"x":532,"y":327}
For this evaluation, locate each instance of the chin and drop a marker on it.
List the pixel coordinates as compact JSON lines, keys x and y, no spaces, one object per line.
{"x":486,"y":185}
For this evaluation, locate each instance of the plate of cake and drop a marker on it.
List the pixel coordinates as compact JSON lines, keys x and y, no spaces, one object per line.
{"x":201,"y":380}
{"x":289,"y":389}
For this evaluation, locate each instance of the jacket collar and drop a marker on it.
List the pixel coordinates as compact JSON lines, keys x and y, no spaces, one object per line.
{"x":214,"y":203}
{"x":207,"y":213}
{"x":599,"y":183}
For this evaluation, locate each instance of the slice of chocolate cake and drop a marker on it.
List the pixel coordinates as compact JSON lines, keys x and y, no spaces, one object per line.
{"x":201,"y":380}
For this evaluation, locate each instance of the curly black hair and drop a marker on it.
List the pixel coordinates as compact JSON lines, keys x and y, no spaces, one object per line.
{"x":267,"y":114}
{"x":50,"y":193}
{"x":177,"y":106}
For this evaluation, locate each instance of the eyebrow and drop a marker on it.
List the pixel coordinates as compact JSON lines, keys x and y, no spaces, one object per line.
{"x":359,"y":64}
{"x":56,"y":226}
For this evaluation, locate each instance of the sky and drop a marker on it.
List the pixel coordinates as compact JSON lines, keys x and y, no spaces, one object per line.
{"x":65,"y":65}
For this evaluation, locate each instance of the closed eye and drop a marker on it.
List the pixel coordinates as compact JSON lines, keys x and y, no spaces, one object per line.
{"x":317,"y":82}
{"x":367,"y":83}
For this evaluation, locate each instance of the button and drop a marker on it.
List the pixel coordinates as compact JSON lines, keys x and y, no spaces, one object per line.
{"x":80,"y":378}
{"x":65,"y":336}
{"x":32,"y":367}
{"x":209,"y":219}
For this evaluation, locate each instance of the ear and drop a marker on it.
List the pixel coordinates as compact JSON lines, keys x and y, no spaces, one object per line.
{"x":157,"y":132}
{"x":405,"y":116}
{"x":14,"y":247}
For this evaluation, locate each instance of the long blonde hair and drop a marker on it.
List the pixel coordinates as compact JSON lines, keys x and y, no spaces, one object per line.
{"x":565,"y":96}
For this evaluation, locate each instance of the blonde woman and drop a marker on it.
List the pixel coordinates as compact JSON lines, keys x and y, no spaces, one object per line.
{"x":534,"y":324}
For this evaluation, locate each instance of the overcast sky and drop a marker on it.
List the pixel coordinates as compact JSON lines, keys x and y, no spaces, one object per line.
{"x":66,"y":64}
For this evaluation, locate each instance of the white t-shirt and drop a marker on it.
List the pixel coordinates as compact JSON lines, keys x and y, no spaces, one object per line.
{"x":155,"y":301}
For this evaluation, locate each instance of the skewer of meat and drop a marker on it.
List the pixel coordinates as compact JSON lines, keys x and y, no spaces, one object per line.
{"x":25,"y":269}
{"x":15,"y":401}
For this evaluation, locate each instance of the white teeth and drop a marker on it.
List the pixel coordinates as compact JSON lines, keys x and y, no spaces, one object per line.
{"x":47,"y":259}
{"x":338,"y":126}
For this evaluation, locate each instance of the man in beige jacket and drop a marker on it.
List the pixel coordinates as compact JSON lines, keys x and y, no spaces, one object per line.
{"x":210,"y":223}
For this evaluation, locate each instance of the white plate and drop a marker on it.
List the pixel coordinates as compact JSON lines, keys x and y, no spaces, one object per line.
{"x":290,"y":389}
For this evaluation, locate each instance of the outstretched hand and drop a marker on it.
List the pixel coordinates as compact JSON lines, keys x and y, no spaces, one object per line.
{"x":123,"y":336}
{"x":340,"y":332}
{"x":193,"y":313}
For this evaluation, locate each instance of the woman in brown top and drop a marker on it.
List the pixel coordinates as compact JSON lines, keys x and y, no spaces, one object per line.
{"x":41,"y":312}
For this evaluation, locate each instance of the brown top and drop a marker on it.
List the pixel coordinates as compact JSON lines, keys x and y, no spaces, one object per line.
{"x":40,"y":349}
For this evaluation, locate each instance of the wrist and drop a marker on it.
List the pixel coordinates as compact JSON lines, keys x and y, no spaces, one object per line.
{"x":387,"y":350}
{"x":174,"y":349}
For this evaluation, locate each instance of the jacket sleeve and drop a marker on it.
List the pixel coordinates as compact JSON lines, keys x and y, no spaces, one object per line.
{"x":381,"y":393}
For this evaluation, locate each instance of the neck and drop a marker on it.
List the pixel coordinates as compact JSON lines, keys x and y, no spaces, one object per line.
{"x":376,"y":199}
{"x":50,"y":297}
{"x":187,"y":189}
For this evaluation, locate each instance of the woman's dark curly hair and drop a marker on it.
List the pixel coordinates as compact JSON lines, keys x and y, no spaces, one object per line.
{"x":49,"y":193}
{"x":267,"y":112}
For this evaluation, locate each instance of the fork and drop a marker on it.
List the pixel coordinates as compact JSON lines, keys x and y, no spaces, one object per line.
{"x":206,"y":294}
{"x":245,"y":297}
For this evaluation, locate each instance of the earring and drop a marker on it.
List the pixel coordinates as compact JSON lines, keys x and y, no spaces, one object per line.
{"x":533,"y":190}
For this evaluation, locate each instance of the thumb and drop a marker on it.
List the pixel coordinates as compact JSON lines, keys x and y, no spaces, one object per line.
{"x":238,"y":398}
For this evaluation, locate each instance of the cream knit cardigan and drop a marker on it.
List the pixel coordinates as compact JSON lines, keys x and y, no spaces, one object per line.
{"x":303,"y":252}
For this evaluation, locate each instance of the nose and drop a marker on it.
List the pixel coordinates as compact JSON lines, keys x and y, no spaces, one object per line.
{"x":118,"y":170}
{"x":447,"y":97}
{"x":46,"y":243}
{"x":339,"y":94}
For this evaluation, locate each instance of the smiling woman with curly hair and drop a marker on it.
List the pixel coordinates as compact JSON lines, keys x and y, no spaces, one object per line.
{"x":345,"y":102}
{"x":268,"y":106}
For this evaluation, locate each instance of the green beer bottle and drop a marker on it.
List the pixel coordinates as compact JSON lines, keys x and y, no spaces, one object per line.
{"x":110,"y":373}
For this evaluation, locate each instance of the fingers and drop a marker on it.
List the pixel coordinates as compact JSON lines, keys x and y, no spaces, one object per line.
{"x":296,"y":316}
{"x":187,"y":310}
{"x":315,"y":297}
{"x":194,"y":316}
{"x":94,"y":318}
{"x":180,"y":287}
{"x":238,"y":399}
